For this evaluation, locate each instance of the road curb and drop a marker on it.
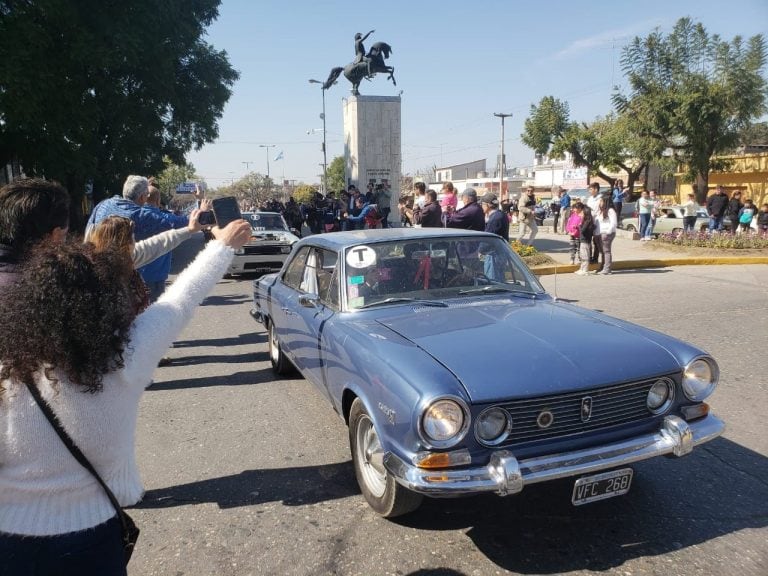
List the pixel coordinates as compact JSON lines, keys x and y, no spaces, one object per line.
{"x":654,"y":263}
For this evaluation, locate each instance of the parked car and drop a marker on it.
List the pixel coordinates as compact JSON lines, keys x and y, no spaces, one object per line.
{"x":269,"y":246}
{"x":670,"y":219}
{"x":409,"y":333}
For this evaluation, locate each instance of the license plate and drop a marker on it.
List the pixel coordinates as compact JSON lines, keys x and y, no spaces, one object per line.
{"x":601,"y":486}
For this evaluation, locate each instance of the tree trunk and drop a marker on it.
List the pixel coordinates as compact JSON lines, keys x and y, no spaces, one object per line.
{"x":701,"y":187}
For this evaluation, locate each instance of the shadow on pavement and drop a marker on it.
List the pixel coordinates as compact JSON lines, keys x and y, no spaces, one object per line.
{"x":224,"y":300}
{"x":293,"y":486}
{"x":236,"y":379}
{"x":245,"y":358}
{"x":673,"y":504}
{"x":552,"y":244}
{"x":247,"y":338}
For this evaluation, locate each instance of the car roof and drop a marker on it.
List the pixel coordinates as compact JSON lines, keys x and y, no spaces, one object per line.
{"x":340,"y":240}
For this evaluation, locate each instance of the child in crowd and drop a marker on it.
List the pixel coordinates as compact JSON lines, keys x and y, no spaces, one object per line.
{"x":762,"y":220}
{"x":746,"y":214}
{"x":572,"y":227}
{"x":586,"y":232}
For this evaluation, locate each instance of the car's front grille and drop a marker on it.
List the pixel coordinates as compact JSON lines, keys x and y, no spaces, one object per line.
{"x":610,"y":406}
{"x":268,"y":250}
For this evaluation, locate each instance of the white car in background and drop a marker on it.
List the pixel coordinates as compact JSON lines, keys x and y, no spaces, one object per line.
{"x":670,"y":219}
{"x":271,"y":242}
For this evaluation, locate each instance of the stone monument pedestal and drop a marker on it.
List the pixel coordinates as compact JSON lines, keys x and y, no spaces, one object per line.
{"x":372,"y":147}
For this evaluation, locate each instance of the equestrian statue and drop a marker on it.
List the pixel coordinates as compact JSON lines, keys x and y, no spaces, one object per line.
{"x":364,"y":65}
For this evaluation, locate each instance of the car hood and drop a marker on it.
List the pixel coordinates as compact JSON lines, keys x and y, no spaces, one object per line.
{"x":534,"y":348}
{"x":272,"y":236}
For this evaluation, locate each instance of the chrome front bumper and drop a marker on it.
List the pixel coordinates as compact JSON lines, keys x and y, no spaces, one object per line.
{"x":505,"y":474}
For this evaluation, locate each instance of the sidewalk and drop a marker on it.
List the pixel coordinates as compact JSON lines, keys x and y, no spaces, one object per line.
{"x":628,"y":254}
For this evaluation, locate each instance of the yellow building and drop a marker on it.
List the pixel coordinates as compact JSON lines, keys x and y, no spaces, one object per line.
{"x":748,"y":173}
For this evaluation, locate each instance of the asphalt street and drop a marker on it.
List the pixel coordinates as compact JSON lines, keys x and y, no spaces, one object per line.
{"x":248,"y":474}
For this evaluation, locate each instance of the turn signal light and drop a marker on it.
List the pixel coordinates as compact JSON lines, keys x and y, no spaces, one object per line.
{"x":434,"y":460}
{"x":695,"y":411}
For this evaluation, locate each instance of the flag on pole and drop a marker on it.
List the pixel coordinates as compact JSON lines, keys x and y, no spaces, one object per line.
{"x":279,"y":156}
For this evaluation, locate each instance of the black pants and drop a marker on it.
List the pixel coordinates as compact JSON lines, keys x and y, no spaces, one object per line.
{"x":597,"y":249}
{"x":556,"y":216}
{"x":97,"y":551}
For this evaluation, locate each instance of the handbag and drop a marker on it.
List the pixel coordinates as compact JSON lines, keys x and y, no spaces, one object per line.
{"x":129,"y":529}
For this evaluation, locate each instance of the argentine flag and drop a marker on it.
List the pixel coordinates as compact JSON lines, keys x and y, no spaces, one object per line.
{"x":279,"y":156}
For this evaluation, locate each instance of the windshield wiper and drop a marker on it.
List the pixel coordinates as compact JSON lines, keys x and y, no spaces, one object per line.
{"x":497,"y":288}
{"x":400,"y":300}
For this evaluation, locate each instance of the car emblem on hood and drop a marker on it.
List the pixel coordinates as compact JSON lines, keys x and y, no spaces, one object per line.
{"x":586,"y":408}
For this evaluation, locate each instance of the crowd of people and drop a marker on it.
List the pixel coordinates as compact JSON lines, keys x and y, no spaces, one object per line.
{"x":82,"y":336}
{"x":351,"y":209}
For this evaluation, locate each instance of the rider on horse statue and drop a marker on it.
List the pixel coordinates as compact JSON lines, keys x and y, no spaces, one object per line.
{"x":360,"y":50}
{"x":365,"y":65}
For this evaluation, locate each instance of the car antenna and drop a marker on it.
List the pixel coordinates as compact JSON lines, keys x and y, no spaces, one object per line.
{"x":555,"y":290}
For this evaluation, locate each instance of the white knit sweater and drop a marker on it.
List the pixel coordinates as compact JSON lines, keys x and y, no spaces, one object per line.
{"x":43,"y":489}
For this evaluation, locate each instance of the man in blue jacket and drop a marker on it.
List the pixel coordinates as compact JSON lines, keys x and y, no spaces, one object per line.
{"x":470,"y":216}
{"x":146,"y":223}
{"x":496,"y":222}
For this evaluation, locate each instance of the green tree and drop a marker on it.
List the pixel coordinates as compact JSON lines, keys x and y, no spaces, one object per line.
{"x":171,"y":176}
{"x":609,"y":144}
{"x":305,"y":192}
{"x":336,"y":178}
{"x":545,"y":124}
{"x":93,"y":91}
{"x":694,"y":92}
{"x":756,"y":133}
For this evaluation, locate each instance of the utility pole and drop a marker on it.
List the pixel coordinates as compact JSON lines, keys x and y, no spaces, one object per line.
{"x":325,"y":158}
{"x":267,"y":146}
{"x":502,"y":160}
{"x":247,"y":164}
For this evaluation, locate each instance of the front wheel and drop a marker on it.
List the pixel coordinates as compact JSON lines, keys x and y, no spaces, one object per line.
{"x":280,"y":363}
{"x":380,"y":489}
{"x":630,"y":228}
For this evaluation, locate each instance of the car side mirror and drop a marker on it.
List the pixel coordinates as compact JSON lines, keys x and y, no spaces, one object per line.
{"x":308,"y":300}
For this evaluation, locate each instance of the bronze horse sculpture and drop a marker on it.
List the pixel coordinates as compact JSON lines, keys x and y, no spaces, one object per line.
{"x":368,"y":67}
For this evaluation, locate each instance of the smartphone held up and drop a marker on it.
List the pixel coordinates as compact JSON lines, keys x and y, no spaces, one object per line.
{"x":224,"y":210}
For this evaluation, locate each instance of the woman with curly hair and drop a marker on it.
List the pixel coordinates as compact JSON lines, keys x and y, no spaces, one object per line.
{"x":70,"y":329}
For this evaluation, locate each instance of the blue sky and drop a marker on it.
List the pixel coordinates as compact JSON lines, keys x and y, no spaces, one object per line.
{"x":456,"y":62}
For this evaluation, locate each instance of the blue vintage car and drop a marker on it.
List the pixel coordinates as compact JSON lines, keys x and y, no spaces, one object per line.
{"x":458,"y":374}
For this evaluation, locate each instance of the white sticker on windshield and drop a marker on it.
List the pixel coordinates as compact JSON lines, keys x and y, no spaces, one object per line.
{"x":361,"y":257}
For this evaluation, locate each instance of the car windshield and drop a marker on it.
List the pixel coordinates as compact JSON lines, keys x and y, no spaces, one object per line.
{"x":262,"y":222}
{"x":430,"y":270}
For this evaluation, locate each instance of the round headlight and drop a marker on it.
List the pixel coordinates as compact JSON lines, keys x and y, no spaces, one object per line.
{"x":239,"y":251}
{"x":492,"y":426}
{"x":444,"y":423}
{"x":700,"y":379}
{"x":660,"y":396}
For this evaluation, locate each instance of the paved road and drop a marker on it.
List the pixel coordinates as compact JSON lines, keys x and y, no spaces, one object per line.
{"x":251,"y":475}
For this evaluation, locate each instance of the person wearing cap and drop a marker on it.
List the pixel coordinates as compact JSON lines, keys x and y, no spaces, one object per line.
{"x":495,"y":222}
{"x":470,"y":216}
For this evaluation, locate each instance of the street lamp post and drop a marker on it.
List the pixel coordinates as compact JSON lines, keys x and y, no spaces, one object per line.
{"x":325,"y":157}
{"x":247,"y":164}
{"x":501,"y":159}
